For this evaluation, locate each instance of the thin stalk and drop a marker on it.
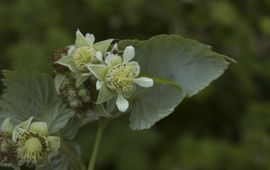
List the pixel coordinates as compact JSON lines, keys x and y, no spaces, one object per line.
{"x":101,"y":127}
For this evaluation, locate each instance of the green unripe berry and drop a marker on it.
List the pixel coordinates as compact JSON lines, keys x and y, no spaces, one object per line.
{"x":75,"y":104}
{"x":72,"y":98}
{"x":66,"y":82}
{"x":82,"y":93}
{"x":86,"y":99}
{"x":72,"y":92}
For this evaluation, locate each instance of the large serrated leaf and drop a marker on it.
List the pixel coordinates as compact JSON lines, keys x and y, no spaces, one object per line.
{"x":34,"y":94}
{"x":153,"y":105}
{"x":190,"y":64}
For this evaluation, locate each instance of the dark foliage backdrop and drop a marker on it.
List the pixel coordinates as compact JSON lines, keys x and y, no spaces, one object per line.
{"x":225,"y":127}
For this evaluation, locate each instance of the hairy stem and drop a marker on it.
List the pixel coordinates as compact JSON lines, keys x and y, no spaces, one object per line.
{"x":101,"y":127}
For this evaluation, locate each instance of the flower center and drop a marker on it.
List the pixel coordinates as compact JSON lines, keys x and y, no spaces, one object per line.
{"x":82,"y":56}
{"x":120,"y":78}
{"x":32,"y":148}
{"x":33,"y":145}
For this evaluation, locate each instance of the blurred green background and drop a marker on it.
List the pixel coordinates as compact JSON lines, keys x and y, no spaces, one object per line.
{"x":225,"y":127}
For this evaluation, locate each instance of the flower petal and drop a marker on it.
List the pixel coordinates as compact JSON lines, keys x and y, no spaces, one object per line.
{"x":103,"y":45}
{"x":39,"y":127}
{"x":144,"y":82}
{"x":129,"y":53}
{"x":90,"y":38}
{"x":112,"y":59}
{"x":71,"y":49}
{"x":99,"y":84}
{"x":80,"y":40}
{"x":99,"y":56}
{"x":104,"y":95}
{"x":122,"y":103}
{"x":135,"y":67}
{"x":7,"y":126}
{"x":54,"y":143}
{"x":99,"y":70}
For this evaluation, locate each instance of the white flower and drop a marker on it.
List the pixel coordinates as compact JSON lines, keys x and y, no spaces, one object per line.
{"x":118,"y":76}
{"x":32,"y":141}
{"x":84,"y":51}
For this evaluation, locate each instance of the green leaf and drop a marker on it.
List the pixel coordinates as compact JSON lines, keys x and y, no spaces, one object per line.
{"x":34,"y":94}
{"x":186,"y":62}
{"x":72,"y":151}
{"x":59,"y":78}
{"x":153,"y":104}
{"x":68,"y":159}
{"x":72,"y":128}
{"x":91,"y":116}
{"x":163,"y":81}
{"x":58,"y":162}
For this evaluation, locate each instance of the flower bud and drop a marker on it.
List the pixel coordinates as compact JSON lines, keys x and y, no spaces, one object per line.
{"x":86,"y":99}
{"x":82,"y":93}
{"x":75,"y":104}
{"x":72,"y":92}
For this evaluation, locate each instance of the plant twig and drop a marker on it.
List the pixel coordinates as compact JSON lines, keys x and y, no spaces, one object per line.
{"x":101,"y":127}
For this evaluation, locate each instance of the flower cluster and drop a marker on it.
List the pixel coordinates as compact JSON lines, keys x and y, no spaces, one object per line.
{"x":77,"y":98}
{"x":115,"y":73}
{"x":31,"y":142}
